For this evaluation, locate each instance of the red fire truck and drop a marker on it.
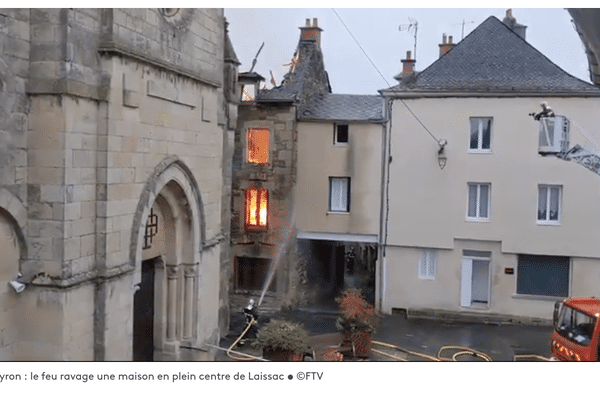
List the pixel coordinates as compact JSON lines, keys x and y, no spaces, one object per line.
{"x":576,"y":334}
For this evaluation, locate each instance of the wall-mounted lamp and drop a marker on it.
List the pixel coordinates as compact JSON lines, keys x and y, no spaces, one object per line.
{"x":441,"y":155}
{"x":19,"y":283}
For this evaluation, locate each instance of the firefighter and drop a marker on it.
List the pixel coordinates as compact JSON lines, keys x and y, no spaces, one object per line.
{"x":251,"y":314}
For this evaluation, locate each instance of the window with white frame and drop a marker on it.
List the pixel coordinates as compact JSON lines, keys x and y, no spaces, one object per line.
{"x":428,"y":264}
{"x":339,"y":194}
{"x":549,"y":199}
{"x":481,"y":135}
{"x":478,"y":207}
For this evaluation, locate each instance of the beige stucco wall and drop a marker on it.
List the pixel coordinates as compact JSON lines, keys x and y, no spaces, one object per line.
{"x":428,"y":206}
{"x":319,"y":158}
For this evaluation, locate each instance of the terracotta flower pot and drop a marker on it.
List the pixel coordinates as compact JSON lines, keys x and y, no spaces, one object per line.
{"x":359,"y":343}
{"x":277,"y":354}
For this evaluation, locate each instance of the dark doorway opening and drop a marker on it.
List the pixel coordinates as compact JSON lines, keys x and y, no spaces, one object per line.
{"x":143,"y":314}
{"x":332,"y":267}
{"x":251,"y":274}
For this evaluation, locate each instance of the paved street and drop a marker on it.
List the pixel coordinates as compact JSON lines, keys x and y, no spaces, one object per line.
{"x":499,"y":342}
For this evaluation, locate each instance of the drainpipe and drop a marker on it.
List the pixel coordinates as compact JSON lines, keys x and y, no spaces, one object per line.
{"x":384,"y":200}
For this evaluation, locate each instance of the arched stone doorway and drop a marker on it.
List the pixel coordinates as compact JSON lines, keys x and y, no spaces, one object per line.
{"x":12,"y":252}
{"x":167,"y":257}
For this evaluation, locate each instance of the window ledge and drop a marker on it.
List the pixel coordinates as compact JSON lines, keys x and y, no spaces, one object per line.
{"x":469,"y":219}
{"x":476,"y":151}
{"x":342,"y":144}
{"x":548,"y":223}
{"x":537,"y":297}
{"x":338,"y":212}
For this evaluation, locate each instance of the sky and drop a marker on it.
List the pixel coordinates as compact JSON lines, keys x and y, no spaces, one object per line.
{"x":377,"y":30}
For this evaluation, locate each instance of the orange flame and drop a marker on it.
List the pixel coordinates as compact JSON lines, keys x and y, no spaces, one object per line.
{"x":258,"y":145}
{"x":256,"y":207}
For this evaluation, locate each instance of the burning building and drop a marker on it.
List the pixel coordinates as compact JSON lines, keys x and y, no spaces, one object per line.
{"x":306,"y":185}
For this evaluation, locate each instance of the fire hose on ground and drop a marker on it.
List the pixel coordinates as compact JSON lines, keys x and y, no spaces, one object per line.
{"x":248,"y":326}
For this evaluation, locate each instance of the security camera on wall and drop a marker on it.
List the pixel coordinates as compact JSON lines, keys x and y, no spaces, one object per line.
{"x":17,"y":286}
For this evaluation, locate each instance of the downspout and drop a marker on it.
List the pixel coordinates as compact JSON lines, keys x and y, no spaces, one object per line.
{"x":384,"y":199}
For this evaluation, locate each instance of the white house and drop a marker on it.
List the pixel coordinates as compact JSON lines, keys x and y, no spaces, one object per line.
{"x":478,"y":221}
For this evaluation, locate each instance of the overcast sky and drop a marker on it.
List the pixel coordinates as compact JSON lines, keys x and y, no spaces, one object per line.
{"x":377,"y":30}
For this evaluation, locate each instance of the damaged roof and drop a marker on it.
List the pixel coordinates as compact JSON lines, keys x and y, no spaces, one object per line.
{"x":343,"y":107}
{"x":306,"y":79}
{"x":492,"y":60}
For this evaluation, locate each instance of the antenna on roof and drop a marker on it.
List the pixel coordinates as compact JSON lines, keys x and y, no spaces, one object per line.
{"x":407,"y":27}
{"x":256,"y":56}
{"x":463,"y":23}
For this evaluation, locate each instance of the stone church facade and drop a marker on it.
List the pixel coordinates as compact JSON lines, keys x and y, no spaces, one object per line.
{"x":116,"y":137}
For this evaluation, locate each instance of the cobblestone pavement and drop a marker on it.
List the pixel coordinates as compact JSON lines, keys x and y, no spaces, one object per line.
{"x":499,"y":342}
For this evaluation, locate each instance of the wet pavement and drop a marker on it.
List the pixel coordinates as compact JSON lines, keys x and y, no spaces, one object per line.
{"x":422,"y":336}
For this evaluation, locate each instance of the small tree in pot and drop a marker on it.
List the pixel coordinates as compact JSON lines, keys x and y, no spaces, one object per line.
{"x":282,"y":340}
{"x":357,"y":322}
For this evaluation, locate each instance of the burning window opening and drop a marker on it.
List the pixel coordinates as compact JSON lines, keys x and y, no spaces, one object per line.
{"x":256,"y":207}
{"x":258,"y":145}
{"x":248,"y":93}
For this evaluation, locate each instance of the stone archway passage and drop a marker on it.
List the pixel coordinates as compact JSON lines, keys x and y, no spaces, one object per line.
{"x":169,"y":229}
{"x":143,"y":314}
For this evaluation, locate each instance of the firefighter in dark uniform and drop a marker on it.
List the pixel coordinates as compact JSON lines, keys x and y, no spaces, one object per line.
{"x":251,"y":314}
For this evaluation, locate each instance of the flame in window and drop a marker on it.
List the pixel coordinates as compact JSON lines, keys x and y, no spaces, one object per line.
{"x":256,"y":207}
{"x":258,"y":145}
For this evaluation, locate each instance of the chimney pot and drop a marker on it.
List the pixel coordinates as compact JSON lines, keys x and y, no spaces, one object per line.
{"x":408,"y":67}
{"x":308,"y":22}
{"x":446,"y":44}
{"x":315,"y":24}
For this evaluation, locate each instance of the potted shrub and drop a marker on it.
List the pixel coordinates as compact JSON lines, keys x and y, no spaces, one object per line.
{"x":282,"y":340}
{"x":357,"y":322}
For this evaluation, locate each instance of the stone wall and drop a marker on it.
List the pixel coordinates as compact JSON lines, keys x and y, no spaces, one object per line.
{"x":94,"y":103}
{"x":279,"y":178}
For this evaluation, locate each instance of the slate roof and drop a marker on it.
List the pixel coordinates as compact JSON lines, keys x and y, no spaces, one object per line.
{"x":343,"y":107}
{"x":493,"y":60}
{"x":307,"y":78}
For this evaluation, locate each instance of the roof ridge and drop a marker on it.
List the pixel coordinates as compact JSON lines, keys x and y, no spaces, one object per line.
{"x":490,"y":59}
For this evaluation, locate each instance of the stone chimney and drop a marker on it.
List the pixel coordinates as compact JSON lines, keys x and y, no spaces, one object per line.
{"x":512,"y":23}
{"x":446,"y":45}
{"x":310,"y":33}
{"x":408,"y":67}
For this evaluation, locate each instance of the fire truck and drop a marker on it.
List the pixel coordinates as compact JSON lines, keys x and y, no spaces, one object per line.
{"x":576,"y":335}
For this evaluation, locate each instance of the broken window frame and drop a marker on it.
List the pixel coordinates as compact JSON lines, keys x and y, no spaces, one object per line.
{"x":257,"y":145}
{"x":477,"y":144}
{"x":337,"y":200}
{"x":252,"y":217}
{"x":336,"y":134}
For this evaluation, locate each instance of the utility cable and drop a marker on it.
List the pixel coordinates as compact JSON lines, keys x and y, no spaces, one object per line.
{"x":383,"y":77}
